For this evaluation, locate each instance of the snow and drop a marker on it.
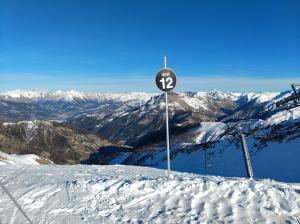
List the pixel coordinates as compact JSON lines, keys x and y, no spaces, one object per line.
{"x":69,"y":95}
{"x":19,"y":93}
{"x":216,"y":94}
{"x":274,"y":159}
{"x":126,"y":194}
{"x":73,"y":95}
{"x":261,"y":97}
{"x":13,"y":159}
{"x":195,"y":100}
{"x":210,"y":131}
{"x":284,"y":116}
{"x":129,"y":194}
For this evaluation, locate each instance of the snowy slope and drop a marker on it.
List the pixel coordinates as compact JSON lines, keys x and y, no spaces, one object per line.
{"x":210,"y":131}
{"x":274,"y":150}
{"x":276,"y":161}
{"x":289,"y":116}
{"x":13,"y":159}
{"x":127,"y":194}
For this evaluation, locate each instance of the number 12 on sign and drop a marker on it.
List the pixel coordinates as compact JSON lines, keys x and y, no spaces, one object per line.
{"x":165,"y":80}
{"x":167,"y":83}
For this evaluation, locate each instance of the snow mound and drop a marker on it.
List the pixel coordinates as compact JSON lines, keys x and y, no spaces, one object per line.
{"x":14,"y":159}
{"x":128,"y":194}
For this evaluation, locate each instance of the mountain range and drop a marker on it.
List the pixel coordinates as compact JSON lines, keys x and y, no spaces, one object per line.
{"x":129,"y":128}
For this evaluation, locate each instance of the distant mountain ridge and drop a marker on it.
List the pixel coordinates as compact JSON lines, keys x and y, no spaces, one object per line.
{"x":72,"y":95}
{"x":62,"y":105}
{"x":134,"y":119}
{"x":133,"y":125}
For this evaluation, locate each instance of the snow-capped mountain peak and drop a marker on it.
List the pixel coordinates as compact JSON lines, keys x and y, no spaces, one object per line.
{"x":73,"y":95}
{"x":69,"y":95}
{"x":20,"y":93}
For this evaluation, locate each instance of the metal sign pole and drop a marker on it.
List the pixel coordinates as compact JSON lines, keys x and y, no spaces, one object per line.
{"x":167,"y":125}
{"x":165,"y":80}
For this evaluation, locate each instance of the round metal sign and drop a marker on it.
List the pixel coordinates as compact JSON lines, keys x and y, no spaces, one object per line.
{"x":165,"y":80}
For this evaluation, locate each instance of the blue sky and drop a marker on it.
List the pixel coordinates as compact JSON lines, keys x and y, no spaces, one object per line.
{"x":117,"y":46}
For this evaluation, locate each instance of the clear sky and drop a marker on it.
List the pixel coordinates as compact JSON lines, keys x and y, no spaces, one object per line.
{"x":117,"y":46}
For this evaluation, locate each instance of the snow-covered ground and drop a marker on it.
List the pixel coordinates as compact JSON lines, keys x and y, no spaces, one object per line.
{"x":128,"y":194}
{"x":12,"y":159}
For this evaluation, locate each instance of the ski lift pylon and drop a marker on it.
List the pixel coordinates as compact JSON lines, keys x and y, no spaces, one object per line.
{"x":291,"y":101}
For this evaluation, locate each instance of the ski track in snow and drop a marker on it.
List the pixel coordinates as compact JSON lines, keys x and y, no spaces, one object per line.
{"x":128,"y":194}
